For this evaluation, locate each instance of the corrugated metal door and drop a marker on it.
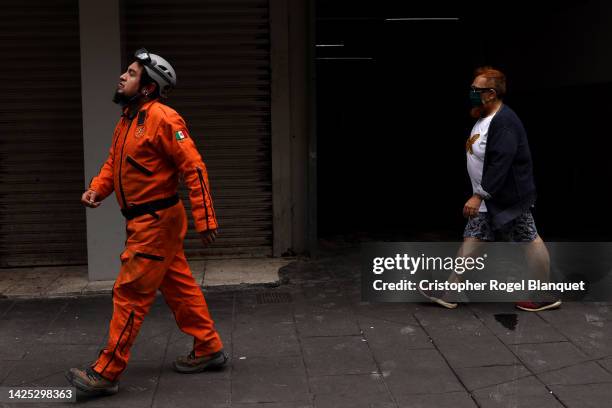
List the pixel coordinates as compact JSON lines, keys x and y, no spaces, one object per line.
{"x":220,"y":50}
{"x":41,"y":145}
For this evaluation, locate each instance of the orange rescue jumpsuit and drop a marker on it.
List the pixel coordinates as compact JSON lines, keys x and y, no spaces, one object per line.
{"x":149,"y":152}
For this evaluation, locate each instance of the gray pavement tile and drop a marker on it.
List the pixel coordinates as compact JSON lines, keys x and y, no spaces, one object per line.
{"x":416,"y":372}
{"x":334,"y":401}
{"x":37,"y":309}
{"x":325,"y":290}
{"x":322,"y":299}
{"x":69,"y":284}
{"x":269,"y":313}
{"x":337,"y":355}
{"x":247,"y":298}
{"x":343,"y":390}
{"x":481,"y":377}
{"x":606,"y":363}
{"x":5,"y":304}
{"x":5,"y":368}
{"x":317,"y":321}
{"x":590,"y":330}
{"x":382,"y":334}
{"x":475,"y":350}
{"x":285,"y":404}
{"x":18,"y":337}
{"x":530,"y":328}
{"x":195,"y":390}
{"x":32,"y":287}
{"x":269,"y":387}
{"x":150,"y":347}
{"x":40,"y":363}
{"x":590,"y":311}
{"x":448,"y":400}
{"x":525,"y":392}
{"x":441,"y":323}
{"x":265,"y":339}
{"x":548,"y":356}
{"x":277,"y":365}
{"x":82,"y":353}
{"x":584,"y":396}
{"x":79,"y":325}
{"x":219,"y":299}
{"x":593,"y":341}
{"x":90,"y":304}
{"x":392,"y":312}
{"x":269,"y":379}
{"x":583,"y":373}
{"x":136,"y":388}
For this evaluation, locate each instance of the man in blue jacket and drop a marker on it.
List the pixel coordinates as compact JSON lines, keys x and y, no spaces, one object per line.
{"x":501,"y":172}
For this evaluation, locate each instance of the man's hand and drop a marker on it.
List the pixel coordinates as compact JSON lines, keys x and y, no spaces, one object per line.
{"x":88,"y":199}
{"x":208,"y":237}
{"x":472,"y":206}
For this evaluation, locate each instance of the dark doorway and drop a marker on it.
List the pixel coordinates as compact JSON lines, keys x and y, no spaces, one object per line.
{"x":392,"y":119}
{"x":392,"y":115}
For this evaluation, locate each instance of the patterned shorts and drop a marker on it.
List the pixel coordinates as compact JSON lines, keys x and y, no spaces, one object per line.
{"x":521,"y":229}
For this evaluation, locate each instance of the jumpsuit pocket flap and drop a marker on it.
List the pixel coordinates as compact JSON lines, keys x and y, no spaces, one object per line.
{"x":139,"y":166}
{"x":149,"y":256}
{"x":143,"y":270}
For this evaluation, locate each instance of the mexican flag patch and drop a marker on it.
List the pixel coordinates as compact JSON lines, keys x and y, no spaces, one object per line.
{"x":179,"y":135}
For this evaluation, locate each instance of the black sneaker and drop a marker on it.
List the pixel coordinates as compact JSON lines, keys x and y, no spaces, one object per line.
{"x":191,"y":364}
{"x":90,"y":382}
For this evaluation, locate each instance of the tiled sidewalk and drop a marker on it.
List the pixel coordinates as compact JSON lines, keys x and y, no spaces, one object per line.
{"x":323,"y":347}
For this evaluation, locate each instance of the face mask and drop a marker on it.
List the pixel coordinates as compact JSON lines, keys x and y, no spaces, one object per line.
{"x":475,"y":98}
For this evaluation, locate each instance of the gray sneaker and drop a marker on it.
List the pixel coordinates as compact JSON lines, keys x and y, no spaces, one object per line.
{"x":191,"y":364}
{"x":90,"y":382}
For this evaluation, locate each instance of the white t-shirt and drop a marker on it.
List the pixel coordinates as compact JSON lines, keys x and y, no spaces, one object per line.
{"x":475,"y":152}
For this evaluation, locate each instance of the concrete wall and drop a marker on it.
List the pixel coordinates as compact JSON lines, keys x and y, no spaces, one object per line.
{"x":100,"y":70}
{"x":293,"y":160}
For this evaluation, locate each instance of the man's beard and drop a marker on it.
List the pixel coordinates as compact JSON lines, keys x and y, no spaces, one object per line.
{"x":122,"y":100}
{"x":477,"y":111}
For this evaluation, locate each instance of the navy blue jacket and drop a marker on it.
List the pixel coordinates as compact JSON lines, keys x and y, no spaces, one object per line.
{"x":507,"y":174}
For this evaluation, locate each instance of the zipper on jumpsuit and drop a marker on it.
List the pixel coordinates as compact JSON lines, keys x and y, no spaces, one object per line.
{"x":130,"y":321}
{"x":204,"y":191}
{"x":121,"y":164}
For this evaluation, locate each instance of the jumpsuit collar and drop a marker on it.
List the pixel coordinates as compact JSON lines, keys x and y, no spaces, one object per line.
{"x":132,"y":115}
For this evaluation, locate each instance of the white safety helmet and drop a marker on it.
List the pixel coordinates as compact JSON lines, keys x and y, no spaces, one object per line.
{"x":158,"y":69}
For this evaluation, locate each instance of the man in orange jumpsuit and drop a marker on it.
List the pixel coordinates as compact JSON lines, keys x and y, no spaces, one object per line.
{"x":150,"y":150}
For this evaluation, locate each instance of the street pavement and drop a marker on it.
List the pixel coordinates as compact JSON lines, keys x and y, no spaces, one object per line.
{"x":312,"y":342}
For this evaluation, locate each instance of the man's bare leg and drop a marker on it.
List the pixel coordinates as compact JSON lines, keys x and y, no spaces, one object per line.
{"x":538,"y":261}
{"x":470,"y":247}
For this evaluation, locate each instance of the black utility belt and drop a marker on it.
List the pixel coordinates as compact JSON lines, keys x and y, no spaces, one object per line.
{"x":150,"y":207}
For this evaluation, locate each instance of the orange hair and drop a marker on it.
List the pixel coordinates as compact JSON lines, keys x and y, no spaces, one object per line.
{"x":495,"y":79}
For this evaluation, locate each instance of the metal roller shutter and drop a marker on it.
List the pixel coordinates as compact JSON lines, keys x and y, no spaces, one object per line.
{"x":41,"y":147}
{"x":220,"y":50}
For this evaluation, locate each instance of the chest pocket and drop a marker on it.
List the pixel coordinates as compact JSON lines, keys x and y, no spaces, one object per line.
{"x":138,"y":166}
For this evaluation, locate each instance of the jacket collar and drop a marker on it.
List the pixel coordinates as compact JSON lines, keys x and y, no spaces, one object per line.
{"x":132,"y":114}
